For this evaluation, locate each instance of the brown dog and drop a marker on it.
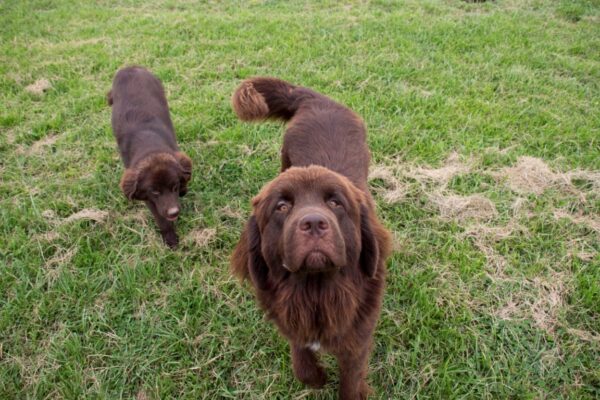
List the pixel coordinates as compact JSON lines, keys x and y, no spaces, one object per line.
{"x":156,"y":171}
{"x":313,"y":248}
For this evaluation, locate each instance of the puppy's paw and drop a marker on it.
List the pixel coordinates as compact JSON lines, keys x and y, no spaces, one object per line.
{"x":171,"y":239}
{"x":307,"y":369}
{"x":363,"y":392}
{"x":313,"y":376}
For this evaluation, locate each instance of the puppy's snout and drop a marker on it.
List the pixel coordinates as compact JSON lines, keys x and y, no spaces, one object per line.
{"x":173,"y":212}
{"x":314,"y":225}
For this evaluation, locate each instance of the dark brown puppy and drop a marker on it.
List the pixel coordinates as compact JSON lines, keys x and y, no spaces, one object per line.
{"x":156,"y":171}
{"x":313,"y":248}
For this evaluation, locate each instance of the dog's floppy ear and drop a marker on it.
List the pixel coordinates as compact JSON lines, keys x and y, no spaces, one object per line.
{"x":129,"y":183}
{"x":186,"y":165}
{"x":247,"y":260}
{"x":257,"y":266}
{"x":369,"y":254}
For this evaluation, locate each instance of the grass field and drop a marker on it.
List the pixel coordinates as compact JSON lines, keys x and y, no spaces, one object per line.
{"x":484,"y":124}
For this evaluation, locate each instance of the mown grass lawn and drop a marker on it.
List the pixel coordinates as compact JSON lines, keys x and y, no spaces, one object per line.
{"x":484,"y":124}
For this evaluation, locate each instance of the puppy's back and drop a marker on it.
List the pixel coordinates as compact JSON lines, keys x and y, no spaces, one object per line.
{"x":137,"y":97}
{"x":140,"y":114}
{"x":137,"y":84}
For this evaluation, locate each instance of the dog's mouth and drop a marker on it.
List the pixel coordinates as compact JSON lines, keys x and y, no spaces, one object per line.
{"x":317,"y":261}
{"x":172,"y":219}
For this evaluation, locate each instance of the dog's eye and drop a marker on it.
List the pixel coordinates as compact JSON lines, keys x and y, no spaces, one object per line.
{"x":333,"y":203}
{"x":283,"y":206}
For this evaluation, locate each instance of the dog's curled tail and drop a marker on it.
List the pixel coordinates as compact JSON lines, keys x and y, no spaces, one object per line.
{"x":261,"y":98}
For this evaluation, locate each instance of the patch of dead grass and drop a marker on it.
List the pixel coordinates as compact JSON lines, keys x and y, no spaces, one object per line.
{"x":508,"y":311}
{"x":529,"y":175}
{"x":53,"y":265}
{"x":141,"y":395}
{"x":140,"y":216}
{"x":38,"y":147}
{"x":39,"y":87}
{"x":533,"y":176}
{"x":462,"y":208}
{"x":394,"y":190}
{"x":591,"y":176}
{"x":231,"y":212}
{"x":87,"y":214}
{"x":540,"y":299}
{"x":63,"y":256}
{"x":91,"y":214}
{"x":585,"y":335}
{"x":48,"y":236}
{"x":588,"y":220}
{"x":441,"y":176}
{"x":201,"y":237}
{"x":485,"y":237}
{"x":549,"y":301}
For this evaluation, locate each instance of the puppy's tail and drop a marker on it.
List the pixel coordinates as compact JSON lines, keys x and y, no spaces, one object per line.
{"x":261,"y":98}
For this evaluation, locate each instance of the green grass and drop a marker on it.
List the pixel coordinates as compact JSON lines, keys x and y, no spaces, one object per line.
{"x":102,"y":310}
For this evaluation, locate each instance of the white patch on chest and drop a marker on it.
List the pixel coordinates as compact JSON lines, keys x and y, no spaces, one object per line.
{"x":314,"y":346}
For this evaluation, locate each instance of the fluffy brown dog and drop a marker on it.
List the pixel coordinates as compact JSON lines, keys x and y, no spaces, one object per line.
{"x":156,"y":171}
{"x":313,"y":248}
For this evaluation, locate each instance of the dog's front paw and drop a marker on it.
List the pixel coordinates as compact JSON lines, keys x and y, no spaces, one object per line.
{"x":313,"y":376}
{"x":363,"y":392}
{"x":171,"y":239}
{"x":306,"y":367}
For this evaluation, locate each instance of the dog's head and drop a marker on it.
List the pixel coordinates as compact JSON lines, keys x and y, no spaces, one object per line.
{"x":309,"y":220}
{"x":160,"y":179}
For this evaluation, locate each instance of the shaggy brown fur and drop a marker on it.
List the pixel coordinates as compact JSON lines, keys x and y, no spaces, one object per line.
{"x":313,"y":248}
{"x":156,"y":171}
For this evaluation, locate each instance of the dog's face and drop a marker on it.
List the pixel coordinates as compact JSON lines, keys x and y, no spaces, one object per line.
{"x":309,"y":221}
{"x":160,"y":181}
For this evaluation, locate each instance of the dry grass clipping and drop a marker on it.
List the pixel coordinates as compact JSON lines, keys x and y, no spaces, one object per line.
{"x":530,"y":175}
{"x":589,"y":221}
{"x":539,"y":299}
{"x":462,"y":208}
{"x":584,"y":335}
{"x":549,"y":301}
{"x":394,"y":191}
{"x":201,"y":237}
{"x":38,"y":146}
{"x":591,"y":176}
{"x":141,"y":395}
{"x":48,"y":236}
{"x":452,"y":167}
{"x":85,"y":214}
{"x":39,"y":87}
{"x":89,"y":214}
{"x":53,"y":265}
{"x":484,"y":237}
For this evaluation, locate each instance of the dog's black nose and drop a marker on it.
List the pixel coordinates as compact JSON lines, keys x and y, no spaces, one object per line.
{"x":314,"y":225}
{"x":173,"y":212}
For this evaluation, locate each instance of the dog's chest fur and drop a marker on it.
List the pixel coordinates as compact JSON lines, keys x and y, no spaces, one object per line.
{"x":314,"y":311}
